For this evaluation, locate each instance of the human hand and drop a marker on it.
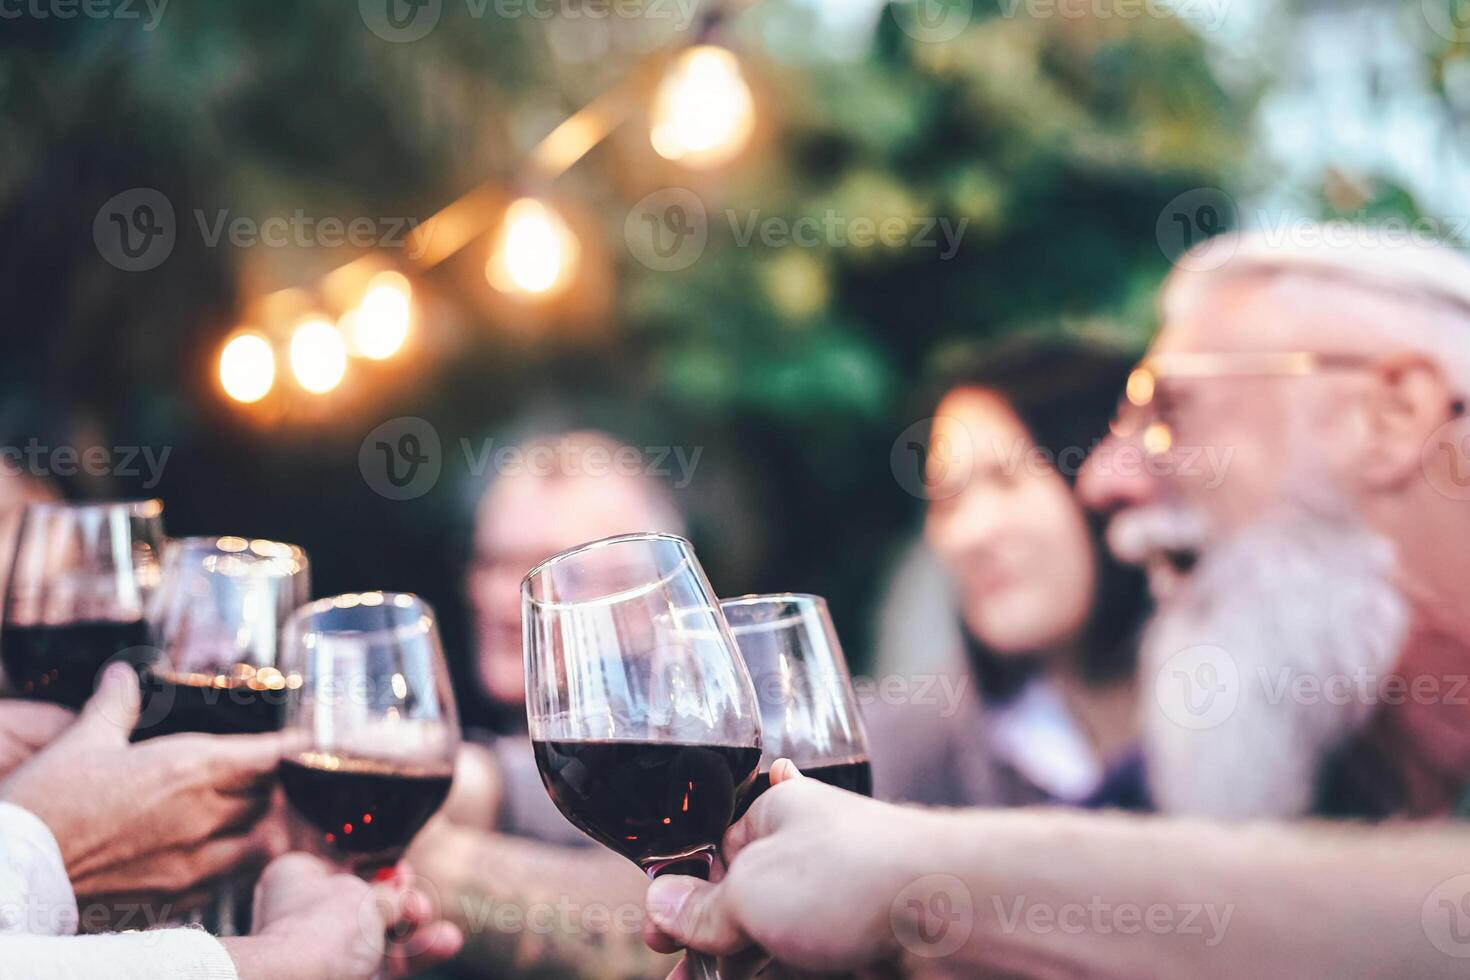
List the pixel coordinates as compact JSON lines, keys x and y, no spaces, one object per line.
{"x":155,"y":822}
{"x":313,"y":924}
{"x":813,"y":872}
{"x":26,"y":727}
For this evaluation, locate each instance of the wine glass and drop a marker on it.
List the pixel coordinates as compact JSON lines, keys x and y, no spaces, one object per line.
{"x":371,"y":724}
{"x":642,"y":717}
{"x":78,"y":593}
{"x":808,"y":709}
{"x":217,"y":618}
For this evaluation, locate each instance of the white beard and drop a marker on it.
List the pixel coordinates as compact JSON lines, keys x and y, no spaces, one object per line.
{"x":1304,"y":595}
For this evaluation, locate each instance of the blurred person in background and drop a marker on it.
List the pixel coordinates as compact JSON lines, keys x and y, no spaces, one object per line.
{"x":575,"y":909}
{"x":1047,"y":711}
{"x":1312,"y":643}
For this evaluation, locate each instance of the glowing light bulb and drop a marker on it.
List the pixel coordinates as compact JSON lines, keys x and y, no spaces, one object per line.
{"x":535,"y":252}
{"x":318,"y":355}
{"x":379,"y":325}
{"x":247,"y":368}
{"x":703,"y":112}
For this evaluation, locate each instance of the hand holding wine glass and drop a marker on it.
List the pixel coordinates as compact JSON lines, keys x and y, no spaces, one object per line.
{"x":641,"y":713}
{"x":809,"y":712}
{"x":158,"y":822}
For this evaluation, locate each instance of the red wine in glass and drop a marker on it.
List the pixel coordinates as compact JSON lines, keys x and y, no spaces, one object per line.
{"x":659,"y":804}
{"x":245,"y":701}
{"x":61,"y":662}
{"x":364,"y":806}
{"x":855,"y":777}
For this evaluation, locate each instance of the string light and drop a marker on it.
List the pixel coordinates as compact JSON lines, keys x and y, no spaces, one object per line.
{"x":379,"y":325}
{"x":247,"y":368}
{"x":318,"y":355}
{"x":702,"y":115}
{"x":703,"y":112}
{"x":535,"y":253}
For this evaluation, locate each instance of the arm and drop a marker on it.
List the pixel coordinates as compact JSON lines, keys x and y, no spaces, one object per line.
{"x":1188,"y":898}
{"x":538,"y":909}
{"x":822,"y":878}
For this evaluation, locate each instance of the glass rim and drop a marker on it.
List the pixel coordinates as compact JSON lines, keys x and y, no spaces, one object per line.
{"x":145,"y":507}
{"x":401,"y":600}
{"x":247,"y":552}
{"x":805,"y":600}
{"x":547,"y":563}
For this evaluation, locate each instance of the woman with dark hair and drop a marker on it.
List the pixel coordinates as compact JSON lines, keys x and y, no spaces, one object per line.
{"x":1048,"y":710}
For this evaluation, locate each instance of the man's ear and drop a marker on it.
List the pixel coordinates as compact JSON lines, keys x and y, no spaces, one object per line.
{"x":1409,"y":400}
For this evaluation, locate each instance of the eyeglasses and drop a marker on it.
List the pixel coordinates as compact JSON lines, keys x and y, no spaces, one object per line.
{"x":1146,"y":409}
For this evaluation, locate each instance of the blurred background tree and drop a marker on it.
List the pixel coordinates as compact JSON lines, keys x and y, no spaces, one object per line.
{"x":1058,"y":141}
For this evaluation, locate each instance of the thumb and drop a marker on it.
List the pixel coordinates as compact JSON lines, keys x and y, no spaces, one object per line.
{"x":696,"y":914}
{"x":783,"y":770}
{"x":112,"y":712}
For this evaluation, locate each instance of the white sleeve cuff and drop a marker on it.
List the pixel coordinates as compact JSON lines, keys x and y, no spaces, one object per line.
{"x":35,"y":893}
{"x":169,"y":954}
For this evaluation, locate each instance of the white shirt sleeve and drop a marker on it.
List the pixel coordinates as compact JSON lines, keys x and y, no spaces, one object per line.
{"x":38,"y":919}
{"x":169,"y":954}
{"x":35,"y":894}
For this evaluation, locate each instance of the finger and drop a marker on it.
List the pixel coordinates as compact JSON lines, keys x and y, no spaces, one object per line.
{"x":783,"y":770}
{"x":695,"y":914}
{"x":433,"y":945}
{"x":110,"y":715}
{"x":237,"y":763}
{"x":228,"y":855}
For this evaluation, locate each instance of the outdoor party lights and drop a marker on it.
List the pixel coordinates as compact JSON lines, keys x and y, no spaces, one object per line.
{"x":703,"y":112}
{"x":535,"y":253}
{"x":247,"y":368}
{"x":318,"y":355}
{"x":379,"y":325}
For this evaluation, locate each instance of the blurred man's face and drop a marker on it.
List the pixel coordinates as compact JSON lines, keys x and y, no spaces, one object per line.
{"x":1269,"y":572}
{"x":528,"y":518}
{"x":1007,"y":528}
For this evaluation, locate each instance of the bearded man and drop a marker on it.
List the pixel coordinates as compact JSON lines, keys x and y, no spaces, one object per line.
{"x":1311,"y":649}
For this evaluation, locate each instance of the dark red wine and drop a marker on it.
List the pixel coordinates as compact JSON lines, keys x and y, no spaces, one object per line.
{"x":652,"y":802}
{"x":243,"y":701}
{"x":363,"y":806}
{"x":855,"y":777}
{"x":61,"y":662}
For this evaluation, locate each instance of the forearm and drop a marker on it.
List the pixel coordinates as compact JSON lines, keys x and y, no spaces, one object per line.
{"x":536,"y":908}
{"x":1067,"y":894}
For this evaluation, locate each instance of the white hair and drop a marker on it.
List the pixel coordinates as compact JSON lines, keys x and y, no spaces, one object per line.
{"x":1420,"y":288}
